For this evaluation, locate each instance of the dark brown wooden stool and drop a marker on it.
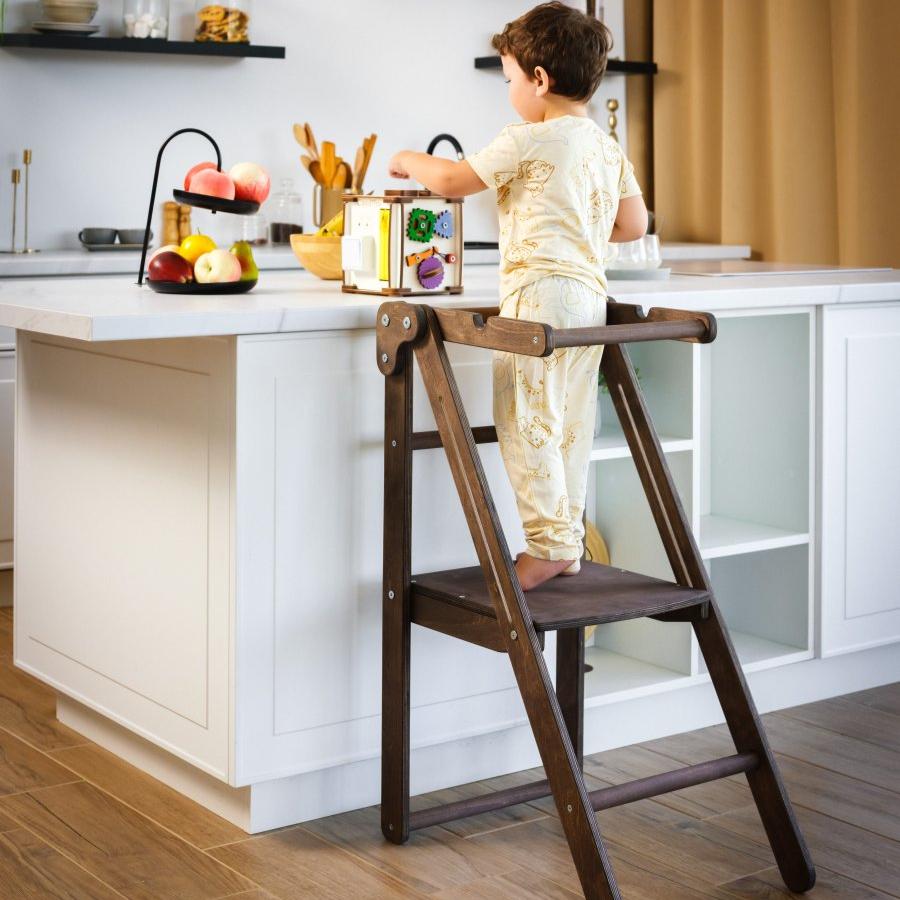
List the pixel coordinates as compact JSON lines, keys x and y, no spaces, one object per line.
{"x":485,"y":604}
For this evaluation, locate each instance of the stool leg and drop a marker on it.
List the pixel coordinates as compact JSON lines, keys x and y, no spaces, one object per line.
{"x":395,"y":622}
{"x":570,"y":685}
{"x":775,"y":810}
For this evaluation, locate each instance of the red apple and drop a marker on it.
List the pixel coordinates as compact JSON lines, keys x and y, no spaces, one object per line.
{"x":251,"y":182}
{"x":216,"y":267}
{"x":170,"y":266}
{"x":198,"y":168}
{"x":213,"y":183}
{"x":165,"y":248}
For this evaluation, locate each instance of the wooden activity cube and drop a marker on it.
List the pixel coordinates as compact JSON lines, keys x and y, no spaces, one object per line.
{"x":402,"y":242}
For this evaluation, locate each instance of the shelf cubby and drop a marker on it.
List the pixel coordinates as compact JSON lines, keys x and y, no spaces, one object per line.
{"x":641,"y":652}
{"x":755,"y":441}
{"x":765,"y":599}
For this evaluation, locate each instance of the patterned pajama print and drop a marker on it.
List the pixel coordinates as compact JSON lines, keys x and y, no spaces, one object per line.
{"x":544,"y":410}
{"x":558,"y":187}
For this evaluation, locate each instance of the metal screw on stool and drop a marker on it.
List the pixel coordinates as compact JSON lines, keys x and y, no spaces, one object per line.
{"x":393,"y":443}
{"x":513,"y":634}
{"x":534,"y":340}
{"x":407,"y":322}
{"x":390,"y":595}
{"x":385,"y":320}
{"x":569,"y":808}
{"x":384,"y":357}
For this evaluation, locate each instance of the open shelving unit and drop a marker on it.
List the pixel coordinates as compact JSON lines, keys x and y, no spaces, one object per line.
{"x":614,"y":66}
{"x":137,"y":45}
{"x":734,"y":419}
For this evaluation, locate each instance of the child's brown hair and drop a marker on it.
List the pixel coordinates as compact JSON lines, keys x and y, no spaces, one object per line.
{"x":569,"y":44}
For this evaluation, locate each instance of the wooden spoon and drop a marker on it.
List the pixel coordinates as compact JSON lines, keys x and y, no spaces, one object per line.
{"x":328,"y":161}
{"x":368,"y":146}
{"x":341,"y":176}
{"x":315,"y":169}
{"x":357,"y":168}
{"x":311,"y":141}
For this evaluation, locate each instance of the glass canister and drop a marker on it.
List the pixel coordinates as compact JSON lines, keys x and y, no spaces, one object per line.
{"x":146,"y":19}
{"x":224,"y":22}
{"x":286,"y":213}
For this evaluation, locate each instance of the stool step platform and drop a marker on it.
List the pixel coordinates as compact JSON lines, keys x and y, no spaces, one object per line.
{"x":597,"y":594}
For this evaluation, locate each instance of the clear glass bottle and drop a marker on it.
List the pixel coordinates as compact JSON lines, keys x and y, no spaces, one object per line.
{"x":286,"y":212}
{"x":146,"y":19}
{"x":223,"y":21}
{"x":255,"y":229}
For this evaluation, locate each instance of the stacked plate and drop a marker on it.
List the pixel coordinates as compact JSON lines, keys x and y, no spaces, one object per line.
{"x":68,"y":17}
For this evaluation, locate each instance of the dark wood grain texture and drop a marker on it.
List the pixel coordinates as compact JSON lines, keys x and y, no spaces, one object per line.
{"x":513,"y":615}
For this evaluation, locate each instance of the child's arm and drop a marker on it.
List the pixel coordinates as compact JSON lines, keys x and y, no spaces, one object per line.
{"x":631,"y":220}
{"x":446,"y":177}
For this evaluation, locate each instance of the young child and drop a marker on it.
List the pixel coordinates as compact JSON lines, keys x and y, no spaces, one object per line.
{"x":564,"y":189}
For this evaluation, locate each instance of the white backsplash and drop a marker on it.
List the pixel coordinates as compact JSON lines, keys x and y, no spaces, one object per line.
{"x":401,"y":68}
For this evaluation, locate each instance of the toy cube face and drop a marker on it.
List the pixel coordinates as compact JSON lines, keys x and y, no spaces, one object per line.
{"x":404,"y":244}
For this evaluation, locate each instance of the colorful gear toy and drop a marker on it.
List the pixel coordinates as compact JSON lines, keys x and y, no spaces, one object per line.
{"x":443,"y":226}
{"x":421,"y":225}
{"x":431,"y":273}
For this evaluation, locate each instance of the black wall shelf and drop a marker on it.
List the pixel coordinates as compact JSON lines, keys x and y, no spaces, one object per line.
{"x":137,"y":45}
{"x":622,"y":66}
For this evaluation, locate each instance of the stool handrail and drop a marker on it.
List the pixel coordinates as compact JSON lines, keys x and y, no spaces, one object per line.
{"x":483,"y":327}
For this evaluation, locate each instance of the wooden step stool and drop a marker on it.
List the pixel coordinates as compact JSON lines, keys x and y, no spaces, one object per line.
{"x":485,"y":604}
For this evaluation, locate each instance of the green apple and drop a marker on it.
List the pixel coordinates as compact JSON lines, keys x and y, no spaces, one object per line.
{"x":249,"y":272}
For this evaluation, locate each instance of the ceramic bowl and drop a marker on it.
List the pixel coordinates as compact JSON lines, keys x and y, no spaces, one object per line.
{"x":319,"y":255}
{"x":75,"y":12}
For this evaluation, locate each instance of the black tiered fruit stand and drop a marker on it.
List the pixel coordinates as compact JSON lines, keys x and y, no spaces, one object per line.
{"x":204,"y":201}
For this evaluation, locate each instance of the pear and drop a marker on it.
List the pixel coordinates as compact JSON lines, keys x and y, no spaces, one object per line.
{"x":249,"y":271}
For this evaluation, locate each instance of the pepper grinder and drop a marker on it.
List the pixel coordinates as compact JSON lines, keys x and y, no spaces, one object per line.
{"x":16,"y":177}
{"x":612,"y":105}
{"x":26,"y":159}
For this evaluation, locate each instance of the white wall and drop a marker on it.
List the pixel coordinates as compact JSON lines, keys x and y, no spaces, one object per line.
{"x":401,"y":68}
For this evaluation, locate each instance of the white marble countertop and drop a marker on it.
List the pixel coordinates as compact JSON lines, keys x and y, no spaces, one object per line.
{"x":110,"y":308}
{"x":271,"y":258}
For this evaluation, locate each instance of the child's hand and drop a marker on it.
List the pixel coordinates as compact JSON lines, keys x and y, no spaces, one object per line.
{"x":396,"y":166}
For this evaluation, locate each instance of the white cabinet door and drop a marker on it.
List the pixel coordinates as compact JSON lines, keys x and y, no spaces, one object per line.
{"x":7,"y":424}
{"x":860,"y":477}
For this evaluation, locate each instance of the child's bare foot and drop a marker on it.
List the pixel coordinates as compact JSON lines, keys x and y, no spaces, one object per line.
{"x":533,"y":571}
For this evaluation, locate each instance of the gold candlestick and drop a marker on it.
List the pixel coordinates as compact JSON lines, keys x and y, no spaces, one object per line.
{"x":26,"y":159}
{"x":612,"y":105}
{"x":16,"y":177}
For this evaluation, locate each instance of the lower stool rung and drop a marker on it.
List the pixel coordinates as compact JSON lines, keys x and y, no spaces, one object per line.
{"x":603,"y":798}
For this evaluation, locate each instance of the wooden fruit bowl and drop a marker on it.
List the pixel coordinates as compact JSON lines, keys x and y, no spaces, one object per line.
{"x":319,"y":255}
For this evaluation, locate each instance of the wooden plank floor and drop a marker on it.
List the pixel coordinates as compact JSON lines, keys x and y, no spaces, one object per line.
{"x":76,"y":822}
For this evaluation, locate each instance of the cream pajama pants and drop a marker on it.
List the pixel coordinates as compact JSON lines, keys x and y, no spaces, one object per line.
{"x":544,"y":411}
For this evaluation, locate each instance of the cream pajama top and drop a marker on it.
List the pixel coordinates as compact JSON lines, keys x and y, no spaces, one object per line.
{"x":558,"y":187}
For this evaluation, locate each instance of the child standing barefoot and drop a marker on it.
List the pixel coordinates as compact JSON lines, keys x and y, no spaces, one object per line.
{"x":564,"y":190}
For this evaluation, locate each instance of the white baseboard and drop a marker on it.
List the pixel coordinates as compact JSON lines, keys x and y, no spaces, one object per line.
{"x":301,"y":798}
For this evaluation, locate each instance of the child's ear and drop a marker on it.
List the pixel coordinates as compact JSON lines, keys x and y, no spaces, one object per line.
{"x":542,"y":81}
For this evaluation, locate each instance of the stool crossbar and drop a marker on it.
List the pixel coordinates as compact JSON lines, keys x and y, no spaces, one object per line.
{"x":485,"y":604}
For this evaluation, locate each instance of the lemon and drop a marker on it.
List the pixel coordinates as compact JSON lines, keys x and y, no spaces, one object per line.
{"x":195,"y":245}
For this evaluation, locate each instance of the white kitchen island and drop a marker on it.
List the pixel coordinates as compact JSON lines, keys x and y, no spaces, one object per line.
{"x":198,"y":526}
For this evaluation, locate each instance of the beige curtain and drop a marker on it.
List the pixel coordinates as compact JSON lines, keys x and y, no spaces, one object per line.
{"x":777,"y":123}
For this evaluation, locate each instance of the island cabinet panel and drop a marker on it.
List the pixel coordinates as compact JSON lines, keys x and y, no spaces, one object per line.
{"x":123,"y":525}
{"x":310,"y":471}
{"x":860,"y":563}
{"x":7,"y":428}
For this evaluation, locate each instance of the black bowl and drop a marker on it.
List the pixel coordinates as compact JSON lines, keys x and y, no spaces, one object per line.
{"x":192,"y":287}
{"x":217,"y":204}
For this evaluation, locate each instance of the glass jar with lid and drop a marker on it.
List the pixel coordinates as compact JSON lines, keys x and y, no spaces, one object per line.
{"x":222,"y":21}
{"x":286,"y":213}
{"x":146,"y":19}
